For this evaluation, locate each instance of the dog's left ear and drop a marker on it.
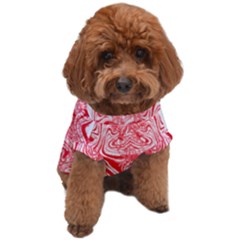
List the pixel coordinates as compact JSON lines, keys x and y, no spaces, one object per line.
{"x":73,"y":69}
{"x":171,"y":71}
{"x":71,"y":60}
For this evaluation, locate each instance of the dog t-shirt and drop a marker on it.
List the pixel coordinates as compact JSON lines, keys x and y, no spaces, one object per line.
{"x":118,"y":140}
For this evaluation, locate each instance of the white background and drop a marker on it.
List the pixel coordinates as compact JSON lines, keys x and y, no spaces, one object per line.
{"x":202,"y":113}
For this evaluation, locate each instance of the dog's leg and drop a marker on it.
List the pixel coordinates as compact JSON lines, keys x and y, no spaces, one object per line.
{"x":150,"y":176}
{"x":64,"y":177}
{"x":85,"y":195}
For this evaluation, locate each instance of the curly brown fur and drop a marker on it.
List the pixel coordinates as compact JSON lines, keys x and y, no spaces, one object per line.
{"x":122,"y":30}
{"x":150,"y":174}
{"x":119,"y":42}
{"x":64,"y":177}
{"x":85,"y":194}
{"x":122,"y":182}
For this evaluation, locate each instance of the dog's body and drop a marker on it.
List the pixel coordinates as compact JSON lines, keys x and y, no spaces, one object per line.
{"x":117,"y":140}
{"x":121,"y":66}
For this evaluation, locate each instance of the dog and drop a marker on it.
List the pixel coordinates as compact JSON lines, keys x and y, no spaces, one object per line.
{"x":119,"y":68}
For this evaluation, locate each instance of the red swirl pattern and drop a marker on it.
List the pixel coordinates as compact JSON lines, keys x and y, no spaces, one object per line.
{"x":118,"y":140}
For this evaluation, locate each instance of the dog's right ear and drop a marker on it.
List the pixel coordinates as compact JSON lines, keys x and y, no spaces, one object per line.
{"x":170,"y":68}
{"x":73,"y":68}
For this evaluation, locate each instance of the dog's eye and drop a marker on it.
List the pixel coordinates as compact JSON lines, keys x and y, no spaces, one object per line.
{"x":107,"y":55}
{"x":140,"y":53}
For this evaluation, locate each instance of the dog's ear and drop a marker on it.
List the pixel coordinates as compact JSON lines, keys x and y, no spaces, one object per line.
{"x":171,"y":71}
{"x":74,"y":67}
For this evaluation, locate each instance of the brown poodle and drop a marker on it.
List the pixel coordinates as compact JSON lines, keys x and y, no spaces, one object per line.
{"x":119,"y":68}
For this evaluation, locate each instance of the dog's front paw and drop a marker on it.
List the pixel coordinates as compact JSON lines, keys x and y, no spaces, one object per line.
{"x":79,"y":231}
{"x":161,"y":209}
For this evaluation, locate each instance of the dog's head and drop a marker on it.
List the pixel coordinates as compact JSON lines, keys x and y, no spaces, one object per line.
{"x":122,"y":60}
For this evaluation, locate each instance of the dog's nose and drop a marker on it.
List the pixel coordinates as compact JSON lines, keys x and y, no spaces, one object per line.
{"x":123,"y":85}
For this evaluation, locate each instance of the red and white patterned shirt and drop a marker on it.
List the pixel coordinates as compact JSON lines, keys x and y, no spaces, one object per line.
{"x":118,"y":140}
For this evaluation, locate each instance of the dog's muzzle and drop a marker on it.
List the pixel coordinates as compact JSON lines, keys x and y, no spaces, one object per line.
{"x":123,"y":85}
